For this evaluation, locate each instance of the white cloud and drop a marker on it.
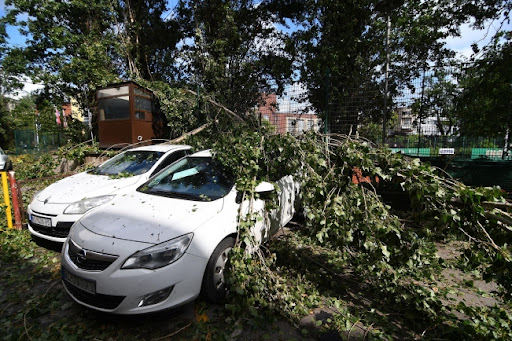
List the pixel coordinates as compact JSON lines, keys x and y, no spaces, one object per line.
{"x":462,"y":45}
{"x":28,"y":88}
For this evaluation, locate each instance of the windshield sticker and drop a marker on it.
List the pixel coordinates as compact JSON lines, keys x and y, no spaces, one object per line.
{"x":184,"y":174}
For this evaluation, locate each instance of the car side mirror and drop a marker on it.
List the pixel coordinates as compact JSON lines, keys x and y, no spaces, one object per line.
{"x":263,"y":189}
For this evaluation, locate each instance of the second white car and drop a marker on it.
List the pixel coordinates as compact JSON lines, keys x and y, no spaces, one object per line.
{"x":54,"y":210}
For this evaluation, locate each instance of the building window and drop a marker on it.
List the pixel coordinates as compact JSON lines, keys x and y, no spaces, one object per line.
{"x":300,"y":126}
{"x":110,"y":92}
{"x":140,"y":115}
{"x":143,"y":103}
{"x":114,"y":108}
{"x":290,"y":125}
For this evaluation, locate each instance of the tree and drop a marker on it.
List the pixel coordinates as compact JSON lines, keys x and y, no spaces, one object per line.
{"x":437,"y":100}
{"x":69,"y":44}
{"x":233,"y":51}
{"x":148,"y":39}
{"x":5,"y":123}
{"x":349,"y":40}
{"x":484,"y":107}
{"x":75,"y":46}
{"x":235,"y":54}
{"x":335,"y":49}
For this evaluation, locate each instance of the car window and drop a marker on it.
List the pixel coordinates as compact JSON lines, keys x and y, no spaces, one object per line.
{"x":130,"y":163}
{"x":192,"y":178}
{"x":1,"y":152}
{"x":170,"y":159}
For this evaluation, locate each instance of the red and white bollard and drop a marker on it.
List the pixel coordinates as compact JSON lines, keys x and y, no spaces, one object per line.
{"x":15,"y":201}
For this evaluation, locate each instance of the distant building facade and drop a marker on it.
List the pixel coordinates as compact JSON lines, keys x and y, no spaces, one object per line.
{"x":286,"y":122}
{"x":409,"y":124}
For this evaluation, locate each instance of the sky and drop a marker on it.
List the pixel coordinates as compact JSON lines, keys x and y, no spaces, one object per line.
{"x":461,"y":45}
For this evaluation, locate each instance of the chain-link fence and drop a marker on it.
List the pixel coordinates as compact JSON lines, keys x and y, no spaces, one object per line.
{"x":290,"y":112}
{"x":420,"y":119}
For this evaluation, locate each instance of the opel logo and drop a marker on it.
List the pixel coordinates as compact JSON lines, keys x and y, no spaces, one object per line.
{"x":81,"y":256}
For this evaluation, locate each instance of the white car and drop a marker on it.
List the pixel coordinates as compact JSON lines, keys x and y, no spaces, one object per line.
{"x":54,"y":210}
{"x":5,"y":162}
{"x":165,"y":243}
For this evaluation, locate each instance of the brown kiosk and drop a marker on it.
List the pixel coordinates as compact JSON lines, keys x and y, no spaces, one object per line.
{"x":127,"y":114}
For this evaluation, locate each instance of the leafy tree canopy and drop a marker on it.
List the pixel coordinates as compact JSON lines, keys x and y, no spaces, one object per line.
{"x":235,"y":50}
{"x":485,"y":105}
{"x":348,"y":40}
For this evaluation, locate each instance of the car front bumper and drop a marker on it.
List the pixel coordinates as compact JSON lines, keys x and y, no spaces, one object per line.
{"x":120,"y":291}
{"x":60,"y":223}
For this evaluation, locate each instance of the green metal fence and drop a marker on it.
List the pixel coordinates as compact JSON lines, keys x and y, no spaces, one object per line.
{"x":454,"y":147}
{"x":30,"y":142}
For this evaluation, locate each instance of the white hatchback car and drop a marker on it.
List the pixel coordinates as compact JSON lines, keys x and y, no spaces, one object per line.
{"x":54,"y":210}
{"x":163,"y":244}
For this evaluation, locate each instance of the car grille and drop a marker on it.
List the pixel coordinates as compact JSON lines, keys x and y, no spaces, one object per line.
{"x":59,"y":231}
{"x":95,"y":300}
{"x":44,"y":214}
{"x":89,"y":260}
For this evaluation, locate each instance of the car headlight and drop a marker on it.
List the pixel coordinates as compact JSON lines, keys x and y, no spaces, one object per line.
{"x":82,"y":206}
{"x":159,"y":255}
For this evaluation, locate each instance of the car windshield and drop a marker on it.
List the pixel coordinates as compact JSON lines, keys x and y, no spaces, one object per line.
{"x":129,"y":163}
{"x":192,"y":178}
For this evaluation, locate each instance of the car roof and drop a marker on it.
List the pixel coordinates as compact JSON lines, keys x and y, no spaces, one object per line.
{"x":202,"y":153}
{"x":162,"y":147}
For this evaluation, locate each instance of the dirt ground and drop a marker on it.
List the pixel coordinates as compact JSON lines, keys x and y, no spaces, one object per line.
{"x":182,"y":322}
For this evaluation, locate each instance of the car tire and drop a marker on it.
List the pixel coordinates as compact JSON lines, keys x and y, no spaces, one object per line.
{"x":213,"y":287}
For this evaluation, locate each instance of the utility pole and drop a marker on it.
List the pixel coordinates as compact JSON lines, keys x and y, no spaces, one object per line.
{"x":327,"y":83}
{"x":386,"y":80}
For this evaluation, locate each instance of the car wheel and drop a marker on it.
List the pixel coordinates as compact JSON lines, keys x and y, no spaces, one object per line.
{"x":214,"y":286}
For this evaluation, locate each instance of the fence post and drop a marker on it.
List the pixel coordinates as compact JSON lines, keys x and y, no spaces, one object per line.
{"x":327,"y":83}
{"x":15,"y":200}
{"x":6,"y":200}
{"x":504,"y":154}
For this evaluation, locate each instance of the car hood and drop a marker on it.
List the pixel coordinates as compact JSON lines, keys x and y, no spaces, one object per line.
{"x":83,"y":185}
{"x":149,"y":218}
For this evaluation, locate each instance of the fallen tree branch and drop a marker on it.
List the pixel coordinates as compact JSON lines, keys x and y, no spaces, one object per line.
{"x":190,"y":133}
{"x":497,"y":204}
{"x":491,"y":242}
{"x":218,"y":105}
{"x":505,"y":220}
